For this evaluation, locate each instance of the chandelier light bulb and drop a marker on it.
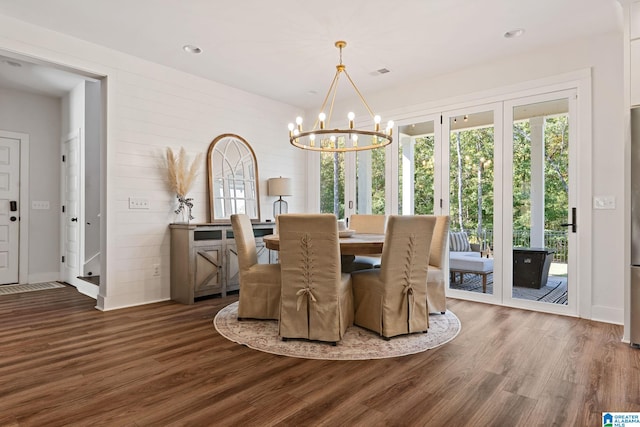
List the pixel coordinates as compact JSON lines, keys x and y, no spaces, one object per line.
{"x":351,"y":116}
{"x":296,"y":132}
{"x":290,"y":129}
{"x":376,"y":121}
{"x":322,"y":117}
{"x":390,"y":127}
{"x":354,"y":138}
{"x":312,"y":140}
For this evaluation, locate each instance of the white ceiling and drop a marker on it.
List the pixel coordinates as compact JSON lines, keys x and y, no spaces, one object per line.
{"x":284,"y":49}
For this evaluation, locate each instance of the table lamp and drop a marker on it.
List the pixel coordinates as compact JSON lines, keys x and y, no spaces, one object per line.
{"x":279,"y":187}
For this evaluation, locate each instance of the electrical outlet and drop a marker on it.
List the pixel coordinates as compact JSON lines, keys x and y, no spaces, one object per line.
{"x":156,"y":269}
{"x":138,"y":203}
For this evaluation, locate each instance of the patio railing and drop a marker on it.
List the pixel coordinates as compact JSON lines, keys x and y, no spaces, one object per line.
{"x":556,"y":240}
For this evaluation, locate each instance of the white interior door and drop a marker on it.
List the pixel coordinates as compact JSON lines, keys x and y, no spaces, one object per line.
{"x":71,"y":217}
{"x":9,"y":209}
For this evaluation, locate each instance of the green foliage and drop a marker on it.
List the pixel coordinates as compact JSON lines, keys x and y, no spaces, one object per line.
{"x":471,"y":177}
{"x":332,"y":190}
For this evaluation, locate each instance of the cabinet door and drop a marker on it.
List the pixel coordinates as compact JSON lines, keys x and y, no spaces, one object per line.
{"x":233,"y":267}
{"x":635,"y":72}
{"x":208,"y":269}
{"x":263,"y":252}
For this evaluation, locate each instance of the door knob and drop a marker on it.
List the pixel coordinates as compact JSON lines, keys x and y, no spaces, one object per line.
{"x":74,"y":219}
{"x":13,"y":218}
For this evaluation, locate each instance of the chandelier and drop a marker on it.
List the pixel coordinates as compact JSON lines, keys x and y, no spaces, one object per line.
{"x":322,"y":138}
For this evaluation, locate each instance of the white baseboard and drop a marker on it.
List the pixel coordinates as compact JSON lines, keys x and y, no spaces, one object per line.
{"x":88,"y":289}
{"x":604,"y":314}
{"x":44,"y":277}
{"x":115,"y":303}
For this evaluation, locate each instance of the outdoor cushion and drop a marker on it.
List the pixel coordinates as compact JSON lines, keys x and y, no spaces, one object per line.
{"x":459,"y":242}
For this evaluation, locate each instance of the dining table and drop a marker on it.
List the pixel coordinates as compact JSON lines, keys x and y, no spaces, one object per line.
{"x":351,"y":245}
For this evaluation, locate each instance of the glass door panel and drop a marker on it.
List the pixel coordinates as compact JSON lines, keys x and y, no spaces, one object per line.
{"x":416,"y":169}
{"x":471,"y":182}
{"x":332,"y":181}
{"x":370,"y":182}
{"x":541,"y":203}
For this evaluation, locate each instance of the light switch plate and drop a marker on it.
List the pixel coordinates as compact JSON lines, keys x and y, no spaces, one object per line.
{"x":604,"y":202}
{"x":40,"y":204}
{"x":138,"y":203}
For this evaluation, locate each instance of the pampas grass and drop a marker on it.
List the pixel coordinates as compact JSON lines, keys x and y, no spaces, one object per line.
{"x":181,"y":174}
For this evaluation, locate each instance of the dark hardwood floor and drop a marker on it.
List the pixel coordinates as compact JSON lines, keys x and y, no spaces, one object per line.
{"x":64,"y":363}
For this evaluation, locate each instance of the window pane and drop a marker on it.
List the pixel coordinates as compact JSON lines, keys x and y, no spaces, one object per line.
{"x":332,"y":183}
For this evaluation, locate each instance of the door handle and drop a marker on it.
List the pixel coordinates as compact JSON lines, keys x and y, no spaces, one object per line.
{"x":74,"y":219}
{"x":574,"y":222}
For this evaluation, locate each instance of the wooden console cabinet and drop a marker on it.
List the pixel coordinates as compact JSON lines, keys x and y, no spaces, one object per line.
{"x":204,"y":259}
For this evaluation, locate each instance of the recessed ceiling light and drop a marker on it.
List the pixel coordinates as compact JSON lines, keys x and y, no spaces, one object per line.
{"x":191,"y":48}
{"x":514,"y":33}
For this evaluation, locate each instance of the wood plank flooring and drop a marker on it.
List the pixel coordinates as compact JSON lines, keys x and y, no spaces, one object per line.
{"x":64,"y":363}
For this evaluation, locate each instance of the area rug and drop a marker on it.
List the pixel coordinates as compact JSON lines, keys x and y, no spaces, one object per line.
{"x":554,"y":292}
{"x":16,"y":289}
{"x":357,"y":344}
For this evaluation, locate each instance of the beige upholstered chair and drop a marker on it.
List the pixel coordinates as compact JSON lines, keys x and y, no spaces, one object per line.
{"x":259,"y":283}
{"x":392,"y":300}
{"x":317,"y":300}
{"x":366,"y":224}
{"x":436,"y":299}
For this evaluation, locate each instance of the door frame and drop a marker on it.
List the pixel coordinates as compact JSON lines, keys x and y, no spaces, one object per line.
{"x":571,"y":308}
{"x":23,"y":252}
{"x":82,"y":286}
{"x":498,"y":217}
{"x":580,"y":81}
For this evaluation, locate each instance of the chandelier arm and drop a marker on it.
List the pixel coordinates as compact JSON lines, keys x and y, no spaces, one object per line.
{"x":359,"y":94}
{"x":333,"y":98}
{"x":326,"y":98}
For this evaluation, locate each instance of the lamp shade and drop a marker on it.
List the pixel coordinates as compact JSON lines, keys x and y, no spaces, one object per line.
{"x":280,"y":186}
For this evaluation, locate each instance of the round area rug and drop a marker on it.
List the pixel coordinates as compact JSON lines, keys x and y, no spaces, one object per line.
{"x":357,"y":343}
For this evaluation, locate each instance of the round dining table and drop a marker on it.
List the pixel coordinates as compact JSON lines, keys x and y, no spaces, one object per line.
{"x":356,"y":244}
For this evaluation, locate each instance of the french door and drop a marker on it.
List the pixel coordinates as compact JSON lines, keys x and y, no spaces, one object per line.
{"x":540,"y":209}
{"x":471,"y":196}
{"x":505,"y":173}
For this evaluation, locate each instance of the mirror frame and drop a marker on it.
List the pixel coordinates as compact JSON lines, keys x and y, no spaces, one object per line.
{"x":210,"y":170}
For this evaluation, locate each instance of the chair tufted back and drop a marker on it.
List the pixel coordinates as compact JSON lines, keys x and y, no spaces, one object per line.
{"x":439,"y":241}
{"x":405,"y":254}
{"x":368,"y":224}
{"x":245,"y":241}
{"x":311,"y":277}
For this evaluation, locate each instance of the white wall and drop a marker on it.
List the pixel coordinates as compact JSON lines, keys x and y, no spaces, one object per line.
{"x":39,"y":117}
{"x":149,"y":108}
{"x":604,"y":56}
{"x":152,"y":107}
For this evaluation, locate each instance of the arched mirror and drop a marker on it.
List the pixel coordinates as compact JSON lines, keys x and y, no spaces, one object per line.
{"x":233,"y":178}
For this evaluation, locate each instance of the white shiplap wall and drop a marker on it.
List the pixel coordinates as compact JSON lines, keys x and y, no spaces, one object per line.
{"x":151,"y":107}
